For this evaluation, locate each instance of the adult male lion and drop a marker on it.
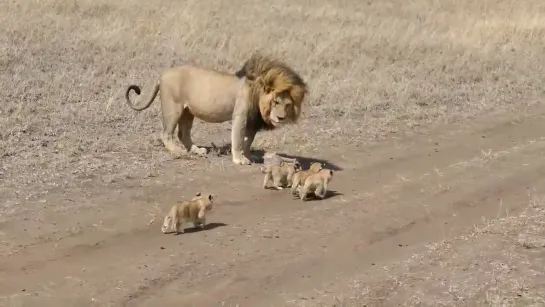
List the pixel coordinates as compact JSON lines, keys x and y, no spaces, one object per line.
{"x":263,"y":95}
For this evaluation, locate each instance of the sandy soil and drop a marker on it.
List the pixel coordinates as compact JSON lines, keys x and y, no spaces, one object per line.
{"x":267,"y":248}
{"x":430,"y":112}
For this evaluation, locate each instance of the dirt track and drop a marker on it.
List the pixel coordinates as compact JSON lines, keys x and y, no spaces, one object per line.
{"x":413,"y":220}
{"x":265,"y":248}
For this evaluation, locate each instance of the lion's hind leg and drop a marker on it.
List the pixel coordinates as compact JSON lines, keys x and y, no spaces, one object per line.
{"x":266,"y":180}
{"x":305,"y":189}
{"x":171,"y":115}
{"x":185,"y":124}
{"x":294,"y":183}
{"x":320,"y":192}
{"x":277,"y":182}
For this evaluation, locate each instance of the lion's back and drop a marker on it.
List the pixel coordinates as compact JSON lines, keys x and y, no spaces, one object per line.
{"x":209,"y":95}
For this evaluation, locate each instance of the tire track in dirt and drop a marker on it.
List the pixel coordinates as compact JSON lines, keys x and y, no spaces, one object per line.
{"x":116,"y":257}
{"x":488,"y":201}
{"x":245,"y":264}
{"x":376,"y":164}
{"x":523,"y":132}
{"x":475,"y":198}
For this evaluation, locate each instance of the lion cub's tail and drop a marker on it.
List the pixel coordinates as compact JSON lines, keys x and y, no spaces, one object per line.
{"x":136,"y":89}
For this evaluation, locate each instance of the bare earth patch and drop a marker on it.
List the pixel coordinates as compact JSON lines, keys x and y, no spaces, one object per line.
{"x":430,"y":112}
{"x":500,"y":263}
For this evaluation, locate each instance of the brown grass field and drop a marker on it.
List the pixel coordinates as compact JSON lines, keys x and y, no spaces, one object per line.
{"x":431,"y":113}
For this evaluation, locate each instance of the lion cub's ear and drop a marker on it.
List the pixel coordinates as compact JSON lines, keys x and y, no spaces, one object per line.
{"x":210,"y":197}
{"x":198,"y":194}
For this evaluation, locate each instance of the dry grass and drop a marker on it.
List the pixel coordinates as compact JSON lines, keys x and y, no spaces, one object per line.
{"x":497,"y":264}
{"x":374,"y":67}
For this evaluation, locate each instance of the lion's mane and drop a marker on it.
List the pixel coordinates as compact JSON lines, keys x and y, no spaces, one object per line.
{"x":265,"y":75}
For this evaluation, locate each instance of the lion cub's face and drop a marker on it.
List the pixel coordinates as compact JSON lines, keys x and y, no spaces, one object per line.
{"x":207,"y":201}
{"x":282,"y":109}
{"x":297,"y":166}
{"x":168,"y":223}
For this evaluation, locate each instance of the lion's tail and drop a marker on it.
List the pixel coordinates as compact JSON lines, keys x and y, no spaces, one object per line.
{"x":136,"y":89}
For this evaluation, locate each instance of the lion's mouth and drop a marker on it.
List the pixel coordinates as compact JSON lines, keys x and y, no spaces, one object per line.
{"x":275,"y":121}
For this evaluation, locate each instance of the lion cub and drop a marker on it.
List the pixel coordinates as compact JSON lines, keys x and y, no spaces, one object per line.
{"x":193,"y":211}
{"x":317,"y":183}
{"x":300,"y":177}
{"x":280,"y":173}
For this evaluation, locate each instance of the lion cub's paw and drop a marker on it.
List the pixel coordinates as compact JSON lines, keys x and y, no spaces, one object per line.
{"x":200,"y":151}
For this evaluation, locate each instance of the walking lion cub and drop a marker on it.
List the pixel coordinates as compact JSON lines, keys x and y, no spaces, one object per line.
{"x":193,"y":211}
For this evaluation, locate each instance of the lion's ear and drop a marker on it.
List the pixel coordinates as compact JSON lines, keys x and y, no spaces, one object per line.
{"x":198,"y":194}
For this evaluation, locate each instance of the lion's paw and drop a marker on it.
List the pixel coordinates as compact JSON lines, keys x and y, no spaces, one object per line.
{"x":242,"y":161}
{"x":177,"y":154}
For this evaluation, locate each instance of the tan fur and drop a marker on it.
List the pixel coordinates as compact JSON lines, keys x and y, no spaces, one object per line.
{"x":280,"y":174}
{"x":300,"y":177}
{"x":263,"y":95}
{"x":317,"y":183}
{"x":272,"y":158}
{"x":193,"y":211}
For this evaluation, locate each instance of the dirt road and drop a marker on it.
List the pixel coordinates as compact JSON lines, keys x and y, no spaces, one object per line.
{"x":264,"y":247}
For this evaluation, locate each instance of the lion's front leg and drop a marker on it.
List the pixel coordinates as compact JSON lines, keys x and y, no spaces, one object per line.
{"x":200,"y":223}
{"x":289,"y":179}
{"x":247,"y":143}
{"x":237,"y":141}
{"x":239,"y":129}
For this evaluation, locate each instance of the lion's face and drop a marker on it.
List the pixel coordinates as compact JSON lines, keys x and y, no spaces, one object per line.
{"x":297,"y":166}
{"x":282,"y":110}
{"x":167,"y":224}
{"x":208,"y":202}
